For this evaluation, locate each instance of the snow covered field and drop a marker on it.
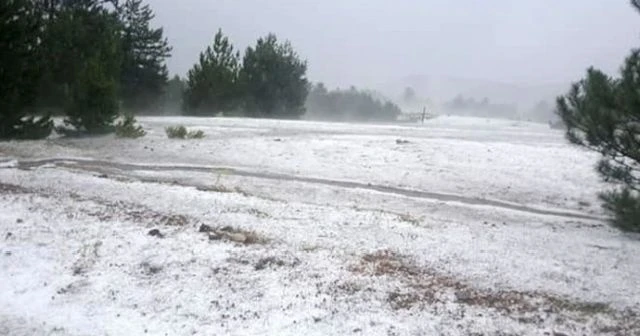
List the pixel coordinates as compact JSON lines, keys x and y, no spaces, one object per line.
{"x":461,"y":226}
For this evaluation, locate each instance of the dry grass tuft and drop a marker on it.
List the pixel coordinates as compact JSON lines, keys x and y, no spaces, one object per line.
{"x":237,"y":235}
{"x":426,"y":286}
{"x":409,"y":219}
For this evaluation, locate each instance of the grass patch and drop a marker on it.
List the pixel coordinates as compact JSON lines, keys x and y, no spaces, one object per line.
{"x":250,"y":237}
{"x":310,"y":248}
{"x":258,"y":213}
{"x":426,"y":286}
{"x":223,"y":189}
{"x":407,"y":218}
{"x":181,"y":132}
{"x":199,"y":134}
{"x":268,"y":262}
{"x":219,"y":188}
{"x":176,"y":132}
{"x":233,"y":234}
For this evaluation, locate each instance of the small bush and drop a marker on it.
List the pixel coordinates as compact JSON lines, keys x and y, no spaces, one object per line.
{"x":29,"y":128}
{"x":625,"y":205}
{"x":71,"y":132}
{"x":176,"y":132}
{"x":199,"y":134}
{"x":92,"y":105}
{"x":127,"y":128}
{"x":181,"y":132}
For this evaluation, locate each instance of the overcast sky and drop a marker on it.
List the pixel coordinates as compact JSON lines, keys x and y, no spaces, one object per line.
{"x":366,"y":42}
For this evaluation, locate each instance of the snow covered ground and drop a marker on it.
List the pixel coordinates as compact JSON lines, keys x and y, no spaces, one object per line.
{"x":461,"y":226}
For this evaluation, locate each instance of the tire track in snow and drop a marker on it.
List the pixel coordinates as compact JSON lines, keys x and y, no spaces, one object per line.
{"x":91,"y":163}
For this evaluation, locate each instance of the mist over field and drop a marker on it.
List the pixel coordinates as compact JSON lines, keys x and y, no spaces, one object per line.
{"x":288,"y":167}
{"x":510,"y":52}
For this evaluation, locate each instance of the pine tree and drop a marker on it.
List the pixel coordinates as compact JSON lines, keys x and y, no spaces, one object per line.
{"x":211,"y":85}
{"x":93,"y":105}
{"x":92,"y":86}
{"x":20,"y":62}
{"x":67,"y":38}
{"x":173,"y":95}
{"x":273,"y":79}
{"x":145,"y":50}
{"x":409,"y":95}
{"x":603,"y":114}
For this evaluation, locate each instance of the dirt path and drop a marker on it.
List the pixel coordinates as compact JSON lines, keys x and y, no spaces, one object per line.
{"x":97,"y":165}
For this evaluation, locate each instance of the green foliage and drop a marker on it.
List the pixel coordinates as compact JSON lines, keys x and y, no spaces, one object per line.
{"x":145,"y":49}
{"x":20,"y":62}
{"x":603,"y":114}
{"x":127,"y":128}
{"x":93,"y":104}
{"x":72,"y":31}
{"x":181,"y":132}
{"x":173,"y":95}
{"x":33,"y":128}
{"x":82,"y":41}
{"x":349,"y":104}
{"x":199,"y":134}
{"x":211,"y":85}
{"x":270,"y":82}
{"x":273,"y":80}
{"x":625,"y":205}
{"x":94,"y":47}
{"x":176,"y":132}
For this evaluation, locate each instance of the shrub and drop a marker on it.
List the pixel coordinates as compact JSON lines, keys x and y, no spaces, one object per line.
{"x":199,"y":134}
{"x":127,"y":128}
{"x":176,"y":132}
{"x":21,"y":65}
{"x":28,"y":128}
{"x":181,"y":132}
{"x":92,"y":105}
{"x":625,"y":205}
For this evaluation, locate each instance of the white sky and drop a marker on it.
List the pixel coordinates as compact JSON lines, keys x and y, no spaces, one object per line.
{"x":372,"y":41}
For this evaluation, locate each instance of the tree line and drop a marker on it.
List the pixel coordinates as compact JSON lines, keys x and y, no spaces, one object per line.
{"x":269,"y":80}
{"x":348,"y":105}
{"x":85,"y":59}
{"x":94,"y":60}
{"x":480,"y":108}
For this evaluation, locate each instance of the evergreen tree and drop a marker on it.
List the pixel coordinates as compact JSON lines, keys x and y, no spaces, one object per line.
{"x":145,"y":49}
{"x":273,"y":79}
{"x":603,"y":114}
{"x":211,"y":85}
{"x":93,"y":105}
{"x":66,"y":41}
{"x":20,"y":61}
{"x":142,"y":76}
{"x":173,"y":95}
{"x":409,"y":95}
{"x":92,"y":83}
